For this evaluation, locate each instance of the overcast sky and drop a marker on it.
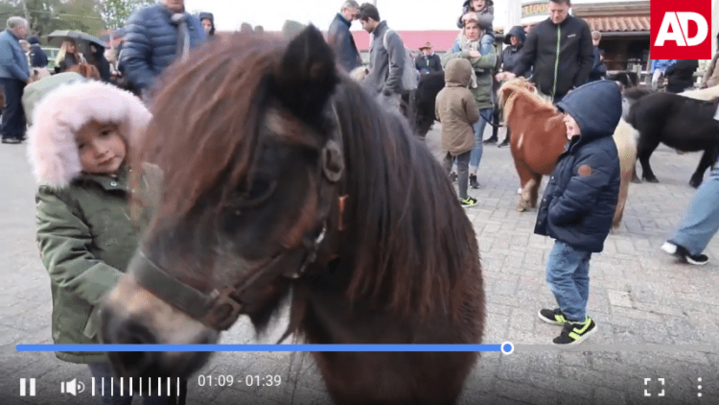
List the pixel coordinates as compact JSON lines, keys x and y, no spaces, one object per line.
{"x":271,"y":14}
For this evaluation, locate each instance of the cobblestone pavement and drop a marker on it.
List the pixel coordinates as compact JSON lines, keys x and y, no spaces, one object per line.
{"x":638,"y":295}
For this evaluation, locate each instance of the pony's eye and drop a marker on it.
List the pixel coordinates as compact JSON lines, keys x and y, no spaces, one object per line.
{"x":260,"y":190}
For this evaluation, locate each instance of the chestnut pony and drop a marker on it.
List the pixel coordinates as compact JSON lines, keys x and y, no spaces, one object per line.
{"x":282,"y":175}
{"x":541,"y":139}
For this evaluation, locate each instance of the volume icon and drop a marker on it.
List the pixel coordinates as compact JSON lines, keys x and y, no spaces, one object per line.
{"x":72,"y":387}
{"x":27,"y":387}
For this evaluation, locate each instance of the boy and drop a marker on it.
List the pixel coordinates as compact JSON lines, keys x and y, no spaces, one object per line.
{"x":455,"y":107}
{"x":579,"y":202}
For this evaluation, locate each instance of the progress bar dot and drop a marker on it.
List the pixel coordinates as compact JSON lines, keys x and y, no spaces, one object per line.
{"x":507,"y":348}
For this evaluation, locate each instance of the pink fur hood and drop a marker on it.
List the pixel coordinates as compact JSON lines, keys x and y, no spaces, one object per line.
{"x":52,"y":150}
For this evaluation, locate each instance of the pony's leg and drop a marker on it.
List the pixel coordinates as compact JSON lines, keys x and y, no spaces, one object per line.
{"x":707,"y":159}
{"x":645,"y":150}
{"x":537,"y":179}
{"x":525,"y":176}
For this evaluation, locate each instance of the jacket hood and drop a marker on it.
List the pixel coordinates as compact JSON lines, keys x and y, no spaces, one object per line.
{"x":516,"y":31}
{"x":458,"y":73}
{"x":52,"y":150}
{"x":209,"y":16}
{"x":596,"y":107}
{"x":32,"y":40}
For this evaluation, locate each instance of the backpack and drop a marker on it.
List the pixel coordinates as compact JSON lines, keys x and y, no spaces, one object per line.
{"x":409,"y":80}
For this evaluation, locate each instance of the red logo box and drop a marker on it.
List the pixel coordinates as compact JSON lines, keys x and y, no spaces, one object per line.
{"x":681,"y":29}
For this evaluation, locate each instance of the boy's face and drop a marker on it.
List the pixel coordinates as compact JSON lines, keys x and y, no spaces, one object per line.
{"x":572,"y":127}
{"x":102,"y":148}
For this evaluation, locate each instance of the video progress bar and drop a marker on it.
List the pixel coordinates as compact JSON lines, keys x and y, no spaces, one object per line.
{"x":617,"y":348}
{"x":505,"y":348}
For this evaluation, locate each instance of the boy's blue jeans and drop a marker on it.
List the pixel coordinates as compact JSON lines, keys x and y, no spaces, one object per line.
{"x":479,"y":128}
{"x":701,"y":220}
{"x":569,"y":280}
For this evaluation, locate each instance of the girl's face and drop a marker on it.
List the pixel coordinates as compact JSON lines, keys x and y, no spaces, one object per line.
{"x":102,"y":148}
{"x":472,"y":31}
{"x":477,"y":5}
{"x":207,"y":25}
{"x":514,"y":41}
{"x":571,"y":126}
{"x":71,"y":47}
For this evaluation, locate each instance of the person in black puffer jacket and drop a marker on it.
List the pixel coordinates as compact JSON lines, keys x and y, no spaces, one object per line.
{"x":579,"y":202}
{"x":208,"y":22}
{"x":155,"y":38}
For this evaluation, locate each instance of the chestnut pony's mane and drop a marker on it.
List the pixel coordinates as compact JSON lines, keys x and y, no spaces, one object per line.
{"x":407,"y":241}
{"x":511,"y":89}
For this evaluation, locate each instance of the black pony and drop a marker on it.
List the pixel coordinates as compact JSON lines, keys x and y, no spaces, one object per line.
{"x":421,"y":113}
{"x":679,"y":122}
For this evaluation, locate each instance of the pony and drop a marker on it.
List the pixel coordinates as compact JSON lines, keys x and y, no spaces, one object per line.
{"x":681,"y":121}
{"x":280,"y":174}
{"x":541,"y":139}
{"x":85,"y":70}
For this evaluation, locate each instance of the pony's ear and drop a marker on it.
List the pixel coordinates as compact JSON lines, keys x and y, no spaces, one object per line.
{"x":306,"y":76}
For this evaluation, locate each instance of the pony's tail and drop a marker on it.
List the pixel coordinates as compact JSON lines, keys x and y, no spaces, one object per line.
{"x":625,"y":138}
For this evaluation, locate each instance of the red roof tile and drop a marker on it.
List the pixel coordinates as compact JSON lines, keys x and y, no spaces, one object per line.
{"x":440,"y":40}
{"x":619,"y":23}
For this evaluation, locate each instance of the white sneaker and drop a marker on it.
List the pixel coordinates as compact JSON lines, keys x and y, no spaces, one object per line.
{"x":669,"y":248}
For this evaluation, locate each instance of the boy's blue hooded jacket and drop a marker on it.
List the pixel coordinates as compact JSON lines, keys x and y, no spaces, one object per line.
{"x":580,"y":198}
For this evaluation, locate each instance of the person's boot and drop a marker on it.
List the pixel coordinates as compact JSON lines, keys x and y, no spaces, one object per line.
{"x":473,"y":181}
{"x":504,"y":143}
{"x":492,"y":139}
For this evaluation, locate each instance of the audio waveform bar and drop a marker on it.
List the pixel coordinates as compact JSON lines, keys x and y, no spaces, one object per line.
{"x":506,"y":348}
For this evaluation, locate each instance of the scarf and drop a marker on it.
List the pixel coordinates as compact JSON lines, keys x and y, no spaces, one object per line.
{"x":183,"y":43}
{"x":467,"y":45}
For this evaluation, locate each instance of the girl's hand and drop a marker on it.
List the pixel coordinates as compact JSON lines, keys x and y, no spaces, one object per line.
{"x":474,"y":54}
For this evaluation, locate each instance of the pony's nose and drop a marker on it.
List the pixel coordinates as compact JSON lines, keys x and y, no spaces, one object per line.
{"x":117,"y":329}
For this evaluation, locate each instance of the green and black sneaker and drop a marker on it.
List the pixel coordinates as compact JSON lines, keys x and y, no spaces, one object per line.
{"x":468,"y":202}
{"x":574,"y":333}
{"x":552,"y":316}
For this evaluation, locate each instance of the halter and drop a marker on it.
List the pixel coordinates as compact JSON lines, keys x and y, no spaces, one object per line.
{"x":220,"y":308}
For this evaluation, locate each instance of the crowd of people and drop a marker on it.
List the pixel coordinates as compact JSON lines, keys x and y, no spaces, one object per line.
{"x":79,"y":156}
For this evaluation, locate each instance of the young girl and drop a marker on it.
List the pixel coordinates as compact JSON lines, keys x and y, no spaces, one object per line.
{"x":483,"y":12}
{"x":68,"y":56}
{"x":78,"y":148}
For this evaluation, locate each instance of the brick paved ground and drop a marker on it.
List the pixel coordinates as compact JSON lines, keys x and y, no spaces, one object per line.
{"x":638,"y":295}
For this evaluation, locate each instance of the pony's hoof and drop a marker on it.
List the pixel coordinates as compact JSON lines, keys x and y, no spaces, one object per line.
{"x":521,"y":209}
{"x":652,"y":180}
{"x":695,"y":183}
{"x":636,"y":180}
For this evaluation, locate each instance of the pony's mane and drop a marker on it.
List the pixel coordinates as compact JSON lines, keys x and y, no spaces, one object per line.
{"x":524,"y":87}
{"x":404,"y":226}
{"x":707,"y":94}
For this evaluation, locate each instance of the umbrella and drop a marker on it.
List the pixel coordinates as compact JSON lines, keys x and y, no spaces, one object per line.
{"x":82,"y":40}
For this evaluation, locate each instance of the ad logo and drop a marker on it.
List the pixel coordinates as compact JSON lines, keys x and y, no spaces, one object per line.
{"x":680,"y":30}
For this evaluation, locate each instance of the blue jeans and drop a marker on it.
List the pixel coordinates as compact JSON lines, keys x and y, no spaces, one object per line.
{"x":486,"y":44}
{"x":103,"y":370}
{"x":13,"y":116}
{"x":568,"y":276}
{"x":479,"y":128}
{"x":701,"y":221}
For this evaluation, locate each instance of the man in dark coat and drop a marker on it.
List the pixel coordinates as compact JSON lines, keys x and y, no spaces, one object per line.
{"x":38,"y":58}
{"x":579,"y":202}
{"x":680,"y":75}
{"x":428,"y":62}
{"x":560,"y":52}
{"x":340,"y":38}
{"x":156,"y":36}
{"x":14,"y":75}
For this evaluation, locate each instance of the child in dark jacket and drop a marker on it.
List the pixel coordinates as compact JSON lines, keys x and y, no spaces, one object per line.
{"x":578,"y":205}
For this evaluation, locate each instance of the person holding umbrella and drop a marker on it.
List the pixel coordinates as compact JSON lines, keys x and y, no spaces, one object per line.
{"x":68,"y":56}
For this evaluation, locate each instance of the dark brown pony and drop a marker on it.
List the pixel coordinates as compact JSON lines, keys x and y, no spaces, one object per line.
{"x":282,"y":175}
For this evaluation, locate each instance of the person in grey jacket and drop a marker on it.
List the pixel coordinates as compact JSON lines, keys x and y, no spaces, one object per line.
{"x":156,"y":36}
{"x":14,"y":75}
{"x":386,"y":65}
{"x":340,"y":38}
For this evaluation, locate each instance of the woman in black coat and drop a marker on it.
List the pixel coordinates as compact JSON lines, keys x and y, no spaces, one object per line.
{"x":680,"y":75}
